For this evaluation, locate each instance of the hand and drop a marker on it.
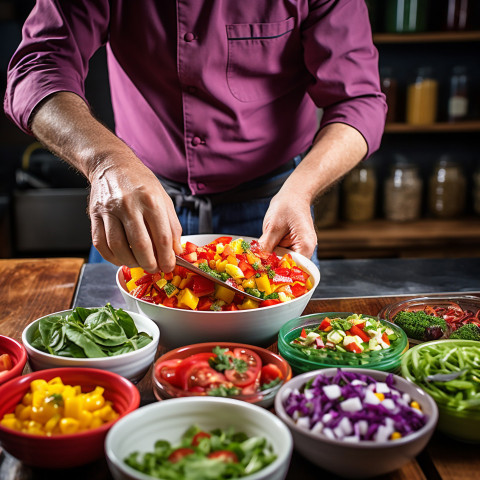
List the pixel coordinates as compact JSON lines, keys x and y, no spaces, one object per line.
{"x":289,"y":224}
{"x":133,"y":219}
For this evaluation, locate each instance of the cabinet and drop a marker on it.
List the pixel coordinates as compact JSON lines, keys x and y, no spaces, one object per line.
{"x":422,"y":145}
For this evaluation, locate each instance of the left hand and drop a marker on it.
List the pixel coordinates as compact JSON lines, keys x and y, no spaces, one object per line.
{"x":288,"y":223}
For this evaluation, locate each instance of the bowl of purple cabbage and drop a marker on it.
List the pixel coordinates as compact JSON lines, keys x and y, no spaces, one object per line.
{"x":377,"y":420}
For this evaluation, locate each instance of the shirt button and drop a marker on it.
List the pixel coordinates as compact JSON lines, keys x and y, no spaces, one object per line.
{"x":196,"y":141}
{"x":189,"y":37}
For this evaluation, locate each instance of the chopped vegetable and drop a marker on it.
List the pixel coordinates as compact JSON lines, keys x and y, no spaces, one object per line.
{"x":470,"y":331}
{"x":354,"y":407}
{"x":420,"y":326}
{"x":200,"y":455}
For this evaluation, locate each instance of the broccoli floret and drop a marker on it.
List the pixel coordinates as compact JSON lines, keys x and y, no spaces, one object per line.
{"x":420,"y":326}
{"x":470,"y":331}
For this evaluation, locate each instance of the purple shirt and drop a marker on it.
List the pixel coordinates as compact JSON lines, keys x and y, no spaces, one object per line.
{"x":210,"y":93}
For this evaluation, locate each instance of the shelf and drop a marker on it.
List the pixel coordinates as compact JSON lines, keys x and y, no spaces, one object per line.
{"x":427,"y":37}
{"x":383,"y":238}
{"x":444,"y":127}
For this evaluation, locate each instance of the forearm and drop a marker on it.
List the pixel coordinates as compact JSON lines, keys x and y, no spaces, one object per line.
{"x":65,"y":125}
{"x":335,"y":151}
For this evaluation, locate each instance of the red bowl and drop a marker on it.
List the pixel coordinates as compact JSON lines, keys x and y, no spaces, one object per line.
{"x":17,"y":353}
{"x":164,"y":390}
{"x":65,"y":451}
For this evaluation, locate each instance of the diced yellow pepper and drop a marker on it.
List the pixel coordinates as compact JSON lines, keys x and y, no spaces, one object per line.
{"x":263,"y":284}
{"x":11,"y":422}
{"x":220,"y":265}
{"x":234,"y":271}
{"x":309,"y":284}
{"x":248,"y":304}
{"x":69,"y":425}
{"x":185,"y":281}
{"x":223,"y":293}
{"x":131,"y":285}
{"x":136,"y":273}
{"x":85,"y":419}
{"x":232,"y":260}
{"x":212,"y":264}
{"x":38,"y":385}
{"x":75,"y":405}
{"x":162,"y":282}
{"x":283,"y":297}
{"x":252,"y":258}
{"x":52,"y":423}
{"x":176,"y":280}
{"x":237,"y":245}
{"x":219,"y":248}
{"x":38,"y":397}
{"x":249,"y":283}
{"x":93,"y":402}
{"x":186,"y":298}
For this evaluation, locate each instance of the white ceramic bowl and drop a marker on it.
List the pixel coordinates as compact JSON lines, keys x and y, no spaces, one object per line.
{"x":169,"y":419}
{"x":132,"y":365}
{"x":362,"y":459}
{"x":257,"y":326}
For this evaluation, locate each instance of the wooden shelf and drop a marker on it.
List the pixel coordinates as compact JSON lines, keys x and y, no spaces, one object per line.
{"x":383,"y":238}
{"x":444,"y":127}
{"x":426,"y":37}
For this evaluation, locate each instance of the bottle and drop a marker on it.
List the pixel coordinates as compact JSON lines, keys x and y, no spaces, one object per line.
{"x":422,"y":98}
{"x":403,"y":193}
{"x":326,"y":208}
{"x":359,"y":193}
{"x":458,"y":15}
{"x":447,"y":190}
{"x":406,"y":16}
{"x":458,"y":99}
{"x":388,"y":84}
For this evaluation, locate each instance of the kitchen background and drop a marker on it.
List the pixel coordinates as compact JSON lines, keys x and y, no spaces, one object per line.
{"x":418,"y":196}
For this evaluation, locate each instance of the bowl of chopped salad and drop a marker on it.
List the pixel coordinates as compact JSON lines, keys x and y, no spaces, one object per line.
{"x":435,"y":318}
{"x":221,"y":369}
{"x":341,"y":339}
{"x":356,"y":423}
{"x":208,"y":437}
{"x":448,"y":370}
{"x":189,"y":308}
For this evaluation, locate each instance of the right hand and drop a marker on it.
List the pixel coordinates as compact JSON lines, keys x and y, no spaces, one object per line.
{"x":133,"y":219}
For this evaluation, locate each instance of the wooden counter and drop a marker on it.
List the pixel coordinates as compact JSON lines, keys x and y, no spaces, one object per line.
{"x":33,"y":288}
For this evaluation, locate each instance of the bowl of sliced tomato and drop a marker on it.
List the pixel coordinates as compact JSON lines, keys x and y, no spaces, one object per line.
{"x":221,"y":369}
{"x":189,"y":308}
{"x":13,"y":358}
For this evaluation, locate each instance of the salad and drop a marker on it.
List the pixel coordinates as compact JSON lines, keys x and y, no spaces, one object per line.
{"x":354,"y":407}
{"x":205,"y":455}
{"x":245,"y":265}
{"x":356,"y":333}
{"x":222,"y":372}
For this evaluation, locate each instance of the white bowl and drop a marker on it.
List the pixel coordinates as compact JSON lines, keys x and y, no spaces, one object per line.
{"x":365,"y":459}
{"x":257,"y":326}
{"x":169,"y":419}
{"x":132,"y":365}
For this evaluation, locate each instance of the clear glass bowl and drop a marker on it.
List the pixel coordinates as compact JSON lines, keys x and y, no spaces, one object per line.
{"x":385,"y":360}
{"x":466,"y":302}
{"x":164,"y":390}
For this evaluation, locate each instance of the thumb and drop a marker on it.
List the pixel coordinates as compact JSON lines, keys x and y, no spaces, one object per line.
{"x":270,"y":239}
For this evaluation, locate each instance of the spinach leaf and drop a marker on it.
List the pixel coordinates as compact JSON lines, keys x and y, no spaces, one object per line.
{"x":105,"y":329}
{"x":71,"y":350}
{"x":52,"y":333}
{"x":125,"y":321}
{"x":77,"y":335}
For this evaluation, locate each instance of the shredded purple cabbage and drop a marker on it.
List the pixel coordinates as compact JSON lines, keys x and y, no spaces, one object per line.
{"x":313,"y":403}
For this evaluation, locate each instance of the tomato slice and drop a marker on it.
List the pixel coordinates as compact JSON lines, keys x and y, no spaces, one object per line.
{"x":202,"y":375}
{"x":269,"y":373}
{"x":254,"y":364}
{"x":198,"y":437}
{"x":184,"y":368}
{"x":5,"y":362}
{"x":179,"y":453}
{"x":166,"y":371}
{"x":226,"y":456}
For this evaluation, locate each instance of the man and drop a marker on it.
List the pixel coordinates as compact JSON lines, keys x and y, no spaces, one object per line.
{"x":216,"y":99}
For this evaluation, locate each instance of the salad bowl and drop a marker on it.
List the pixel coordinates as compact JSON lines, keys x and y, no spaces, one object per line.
{"x":132,"y":365}
{"x":374,"y":454}
{"x":256,"y":326}
{"x":15,"y":360}
{"x":170,"y":419}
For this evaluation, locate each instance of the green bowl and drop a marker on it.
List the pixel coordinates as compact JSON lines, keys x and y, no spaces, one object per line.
{"x":462,"y":425}
{"x":388,"y":360}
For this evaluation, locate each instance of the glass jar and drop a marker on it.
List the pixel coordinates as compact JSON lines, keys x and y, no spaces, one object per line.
{"x":325,"y":209}
{"x":403,"y":193}
{"x":476,"y":191}
{"x":389,"y":86}
{"x":458,"y":99}
{"x":406,"y":16}
{"x":447,"y":190}
{"x":359,"y":193}
{"x":422,"y":96}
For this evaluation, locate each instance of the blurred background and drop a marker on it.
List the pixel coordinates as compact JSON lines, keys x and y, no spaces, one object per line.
{"x":418,"y":196}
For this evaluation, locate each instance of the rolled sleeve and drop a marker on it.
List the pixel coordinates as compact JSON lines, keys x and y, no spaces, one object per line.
{"x":58,"y":40}
{"x":341,"y":56}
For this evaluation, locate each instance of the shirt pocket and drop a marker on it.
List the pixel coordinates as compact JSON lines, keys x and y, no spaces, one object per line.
{"x":264,"y":60}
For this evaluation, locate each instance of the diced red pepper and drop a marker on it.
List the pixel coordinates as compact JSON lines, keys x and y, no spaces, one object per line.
{"x":147,"y":278}
{"x":303,"y":333}
{"x":190,"y":247}
{"x":202,"y":286}
{"x":206,"y":255}
{"x":140,"y":291}
{"x":299,"y":275}
{"x":357,"y":331}
{"x":126,"y":273}
{"x":230,"y":307}
{"x":190,"y":257}
{"x":325,"y":325}
{"x":298,"y":290}
{"x":281,"y":279}
{"x":269,"y":302}
{"x":170,"y":301}
{"x":204,"y":303}
{"x":385,"y":338}
{"x":246,"y":268}
{"x":353,"y":347}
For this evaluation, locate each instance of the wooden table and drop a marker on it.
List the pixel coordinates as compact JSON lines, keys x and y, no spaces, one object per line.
{"x":33,"y":288}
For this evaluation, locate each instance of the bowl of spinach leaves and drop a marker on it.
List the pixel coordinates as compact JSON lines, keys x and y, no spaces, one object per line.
{"x":106,"y":338}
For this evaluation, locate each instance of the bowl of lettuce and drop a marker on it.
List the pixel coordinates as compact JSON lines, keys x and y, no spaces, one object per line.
{"x":106,"y":338}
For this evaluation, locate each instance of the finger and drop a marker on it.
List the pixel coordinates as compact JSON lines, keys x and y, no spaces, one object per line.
{"x":118,"y":243}
{"x":99,"y":239}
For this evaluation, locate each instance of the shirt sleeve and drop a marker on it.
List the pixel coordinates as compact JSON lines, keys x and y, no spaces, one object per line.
{"x":58,"y":39}
{"x":340,"y":54}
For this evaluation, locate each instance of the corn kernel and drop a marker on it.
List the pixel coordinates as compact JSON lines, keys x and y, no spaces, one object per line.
{"x":93,"y":402}
{"x":380,"y":396}
{"x":39,"y":385}
{"x":396,"y":436}
{"x":415,"y":405}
